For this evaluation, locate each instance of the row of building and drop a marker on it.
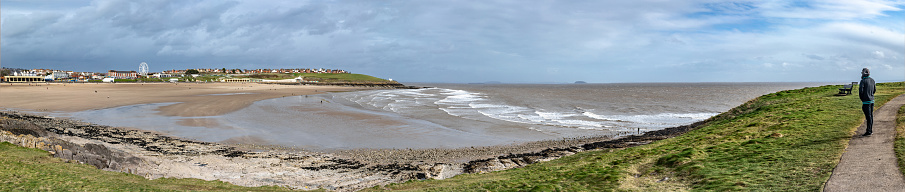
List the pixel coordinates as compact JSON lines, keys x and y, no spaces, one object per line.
{"x":58,"y":75}
{"x":255,"y":71}
{"x":49,"y":74}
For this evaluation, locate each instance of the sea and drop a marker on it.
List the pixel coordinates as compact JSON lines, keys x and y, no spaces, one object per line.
{"x":450,"y":115}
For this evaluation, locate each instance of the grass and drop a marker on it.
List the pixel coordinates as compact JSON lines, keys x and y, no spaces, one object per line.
{"x":152,"y":80}
{"x":339,"y":77}
{"x":204,"y":78}
{"x":320,"y":77}
{"x":784,"y":141}
{"x":272,"y":76}
{"x":899,"y":143}
{"x":26,"y":169}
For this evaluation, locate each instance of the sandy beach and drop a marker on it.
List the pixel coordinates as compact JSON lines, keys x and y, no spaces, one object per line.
{"x":194,"y":99}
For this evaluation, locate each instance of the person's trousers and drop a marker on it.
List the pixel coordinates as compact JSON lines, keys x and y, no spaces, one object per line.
{"x":869,"y":115}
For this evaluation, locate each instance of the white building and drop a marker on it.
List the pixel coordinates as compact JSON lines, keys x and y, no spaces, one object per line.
{"x":59,"y":75}
{"x":25,"y":73}
{"x":162,"y":75}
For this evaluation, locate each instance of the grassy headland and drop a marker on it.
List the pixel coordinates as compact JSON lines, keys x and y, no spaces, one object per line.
{"x":320,"y":77}
{"x":784,"y":141}
{"x":340,"y":77}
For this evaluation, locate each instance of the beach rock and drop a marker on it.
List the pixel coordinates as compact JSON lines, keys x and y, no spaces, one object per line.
{"x":484,"y":166}
{"x":18,"y":127}
{"x":443,"y":171}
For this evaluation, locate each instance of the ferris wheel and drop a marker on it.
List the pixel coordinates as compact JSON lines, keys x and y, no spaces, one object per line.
{"x":143,"y":68}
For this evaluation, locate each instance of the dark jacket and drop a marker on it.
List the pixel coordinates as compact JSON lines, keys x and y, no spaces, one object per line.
{"x":866,"y":89}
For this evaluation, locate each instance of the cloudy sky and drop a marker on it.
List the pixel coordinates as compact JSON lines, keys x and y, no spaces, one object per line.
{"x":470,"y":41}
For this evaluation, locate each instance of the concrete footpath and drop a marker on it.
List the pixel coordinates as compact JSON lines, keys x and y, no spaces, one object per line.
{"x":869,"y":163}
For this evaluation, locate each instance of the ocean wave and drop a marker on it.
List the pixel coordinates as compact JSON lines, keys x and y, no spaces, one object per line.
{"x":478,"y":106}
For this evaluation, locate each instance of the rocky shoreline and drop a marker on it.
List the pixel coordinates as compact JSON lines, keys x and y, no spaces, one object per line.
{"x":153,"y":155}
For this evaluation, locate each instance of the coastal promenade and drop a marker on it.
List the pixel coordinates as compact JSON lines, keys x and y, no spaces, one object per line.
{"x":869,"y":163}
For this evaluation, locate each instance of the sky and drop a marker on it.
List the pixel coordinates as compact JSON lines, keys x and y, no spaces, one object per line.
{"x":463,"y":41}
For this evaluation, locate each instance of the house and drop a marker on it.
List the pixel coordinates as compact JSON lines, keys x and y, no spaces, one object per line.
{"x":122,"y":74}
{"x":25,"y":73}
{"x":162,"y":75}
{"x":59,"y":75}
{"x":41,"y":71}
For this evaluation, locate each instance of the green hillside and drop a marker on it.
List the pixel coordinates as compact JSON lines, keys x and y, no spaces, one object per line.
{"x":340,"y":77}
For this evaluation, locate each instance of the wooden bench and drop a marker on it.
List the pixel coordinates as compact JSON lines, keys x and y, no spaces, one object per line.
{"x":847,"y":89}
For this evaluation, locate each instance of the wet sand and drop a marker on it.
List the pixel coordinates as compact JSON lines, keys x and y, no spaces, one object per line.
{"x":194,"y":99}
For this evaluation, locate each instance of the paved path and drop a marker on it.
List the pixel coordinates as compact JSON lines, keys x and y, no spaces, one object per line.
{"x":869,"y":163}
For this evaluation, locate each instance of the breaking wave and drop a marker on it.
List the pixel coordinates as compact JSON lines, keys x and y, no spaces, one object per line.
{"x":481,"y":107}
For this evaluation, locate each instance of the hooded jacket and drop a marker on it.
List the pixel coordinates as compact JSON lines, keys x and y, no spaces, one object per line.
{"x":866,"y":90}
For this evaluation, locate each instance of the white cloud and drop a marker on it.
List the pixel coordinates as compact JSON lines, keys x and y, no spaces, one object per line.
{"x":445,"y":41}
{"x":879,"y":54}
{"x":828,"y":9}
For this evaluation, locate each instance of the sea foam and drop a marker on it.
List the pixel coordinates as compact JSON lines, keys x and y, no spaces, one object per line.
{"x":476,"y":106}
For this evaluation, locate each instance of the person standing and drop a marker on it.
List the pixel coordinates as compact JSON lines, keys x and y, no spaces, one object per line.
{"x":866,"y":90}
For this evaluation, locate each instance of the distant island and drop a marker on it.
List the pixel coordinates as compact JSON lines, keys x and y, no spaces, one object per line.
{"x":580,"y":82}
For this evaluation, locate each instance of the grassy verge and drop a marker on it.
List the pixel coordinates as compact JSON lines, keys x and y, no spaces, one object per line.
{"x":899,"y":143}
{"x":320,"y":77}
{"x":205,"y":78}
{"x":784,"y":141}
{"x":26,"y":169}
{"x":151,"y":80}
{"x":339,"y":77}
